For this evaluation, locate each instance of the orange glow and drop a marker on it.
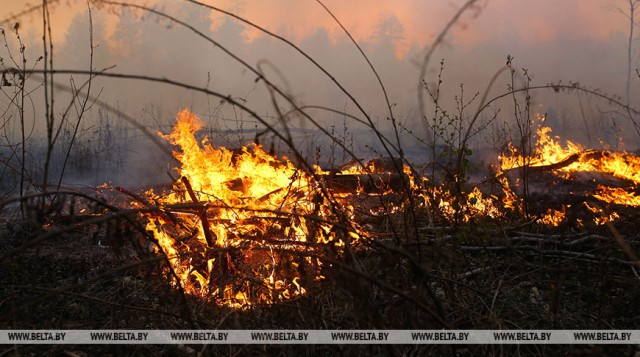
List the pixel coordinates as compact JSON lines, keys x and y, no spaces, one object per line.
{"x":405,"y":24}
{"x":418,"y":23}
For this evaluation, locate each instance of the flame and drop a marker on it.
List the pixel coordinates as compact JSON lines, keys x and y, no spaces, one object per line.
{"x":548,"y":151}
{"x":600,"y":217}
{"x":465,"y":206}
{"x":554,"y":218}
{"x":510,"y":200}
{"x":564,"y":160}
{"x":241,"y":226}
{"x":561,"y":160}
{"x":617,"y":195}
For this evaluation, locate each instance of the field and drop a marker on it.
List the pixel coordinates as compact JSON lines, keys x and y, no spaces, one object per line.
{"x":230,"y":219}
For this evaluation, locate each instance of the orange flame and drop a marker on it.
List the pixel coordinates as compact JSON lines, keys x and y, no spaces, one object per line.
{"x":548,"y":151}
{"x":617,"y":195}
{"x":245,"y":230}
{"x":554,"y":218}
{"x":572,"y":158}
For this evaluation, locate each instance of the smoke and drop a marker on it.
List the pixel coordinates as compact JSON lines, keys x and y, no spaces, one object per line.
{"x":579,"y":41}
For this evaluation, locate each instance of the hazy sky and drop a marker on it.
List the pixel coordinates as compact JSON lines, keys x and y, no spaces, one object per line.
{"x":568,"y":40}
{"x":413,"y":22}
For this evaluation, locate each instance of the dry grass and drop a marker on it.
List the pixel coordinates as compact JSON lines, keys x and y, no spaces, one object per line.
{"x":476,"y":276}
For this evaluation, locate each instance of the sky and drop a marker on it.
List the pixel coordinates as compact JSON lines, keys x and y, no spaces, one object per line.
{"x":581,"y":41}
{"x":412,"y":22}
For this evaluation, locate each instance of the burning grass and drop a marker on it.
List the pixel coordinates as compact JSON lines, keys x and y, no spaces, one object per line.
{"x":248,"y":240}
{"x":242,"y":227}
{"x":614,"y":174}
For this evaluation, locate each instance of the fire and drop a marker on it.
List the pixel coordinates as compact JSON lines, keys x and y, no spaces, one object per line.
{"x":564,"y":160}
{"x":554,"y":218}
{"x":548,"y":151}
{"x":617,"y":195}
{"x":241,"y":226}
{"x":600,"y":217}
{"x":510,"y":199}
{"x":467,"y":206}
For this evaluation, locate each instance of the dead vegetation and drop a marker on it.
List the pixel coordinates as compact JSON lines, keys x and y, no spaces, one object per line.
{"x":98,"y":272}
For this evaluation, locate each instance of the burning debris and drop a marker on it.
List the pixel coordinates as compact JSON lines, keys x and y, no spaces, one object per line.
{"x":240,"y":227}
{"x":617,"y":174}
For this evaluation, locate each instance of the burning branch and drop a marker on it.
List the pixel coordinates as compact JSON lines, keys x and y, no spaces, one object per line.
{"x":202,"y":214}
{"x":584,"y":156}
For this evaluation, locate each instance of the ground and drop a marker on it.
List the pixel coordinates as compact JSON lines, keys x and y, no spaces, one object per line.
{"x":510,"y":273}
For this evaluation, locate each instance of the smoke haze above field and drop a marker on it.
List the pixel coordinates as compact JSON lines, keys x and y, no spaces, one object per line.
{"x":571,"y":40}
